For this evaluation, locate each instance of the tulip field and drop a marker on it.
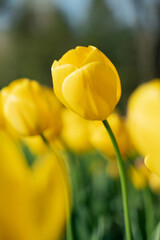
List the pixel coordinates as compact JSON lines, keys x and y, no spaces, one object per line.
{"x":72,"y":167}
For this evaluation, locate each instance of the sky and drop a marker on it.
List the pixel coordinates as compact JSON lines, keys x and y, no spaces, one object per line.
{"x":123,"y":11}
{"x":76,"y":10}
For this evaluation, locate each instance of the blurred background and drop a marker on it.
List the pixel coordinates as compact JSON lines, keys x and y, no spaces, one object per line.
{"x":35,"y":32}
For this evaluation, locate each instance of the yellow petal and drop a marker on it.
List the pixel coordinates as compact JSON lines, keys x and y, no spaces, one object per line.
{"x":75,"y":56}
{"x":153,"y":163}
{"x":49,"y":204}
{"x":75,"y":131}
{"x":97,"y":56}
{"x":143,"y":117}
{"x":58,"y":76}
{"x":154,"y":182}
{"x":15,"y":193}
{"x":91,"y":91}
{"x":25,"y":105}
{"x":2,"y":119}
{"x":137,"y":177}
{"x":94,"y":56}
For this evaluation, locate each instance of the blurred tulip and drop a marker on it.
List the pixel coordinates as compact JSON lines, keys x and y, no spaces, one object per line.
{"x":138,"y":175}
{"x":154,"y":182}
{"x":152,"y":161}
{"x":2,"y":119}
{"x":55,"y":124}
{"x":75,"y":131}
{"x":100,"y":140}
{"x":143,"y":118}
{"x":86,"y":81}
{"x":28,"y":107}
{"x":32,"y":203}
{"x":49,"y":201}
{"x":16,"y":220}
{"x":35,"y":144}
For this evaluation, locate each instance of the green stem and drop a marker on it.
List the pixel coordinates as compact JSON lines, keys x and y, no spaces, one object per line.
{"x":149,"y":212}
{"x":69,"y":235}
{"x":122,"y":180}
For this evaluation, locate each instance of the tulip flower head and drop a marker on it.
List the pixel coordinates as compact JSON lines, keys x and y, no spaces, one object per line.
{"x":27,"y":107}
{"x":144,"y":122}
{"x":143,"y":117}
{"x":86,"y":81}
{"x":32,"y":206}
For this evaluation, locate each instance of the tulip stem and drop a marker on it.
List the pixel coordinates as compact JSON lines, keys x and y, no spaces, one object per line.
{"x":122,"y":180}
{"x":149,"y":212}
{"x":69,"y":235}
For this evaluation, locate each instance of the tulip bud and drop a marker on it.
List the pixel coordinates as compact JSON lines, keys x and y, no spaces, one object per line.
{"x":86,"y":81}
{"x":49,"y":180}
{"x":143,"y":117}
{"x":15,"y":187}
{"x":26,"y":107}
{"x":144,"y":122}
{"x":33,"y":204}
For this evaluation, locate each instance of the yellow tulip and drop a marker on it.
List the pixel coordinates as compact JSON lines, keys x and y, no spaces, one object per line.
{"x":75,"y":131}
{"x":35,"y":144}
{"x":139,"y":175}
{"x":152,"y":161}
{"x":26,"y":107}
{"x":144,"y":117}
{"x":86,"y":81}
{"x":16,"y":221}
{"x":2,"y":120}
{"x":102,"y":141}
{"x":55,"y":124}
{"x":154,"y":182}
{"x":32,"y":202}
{"x":49,"y":204}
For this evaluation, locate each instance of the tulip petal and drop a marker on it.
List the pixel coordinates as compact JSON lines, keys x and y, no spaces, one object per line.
{"x":75,"y":56}
{"x":153,"y":163}
{"x":58,"y":76}
{"x":143,"y":117}
{"x":97,"y":56}
{"x":91,"y":90}
{"x":25,"y":105}
{"x":94,"y":56}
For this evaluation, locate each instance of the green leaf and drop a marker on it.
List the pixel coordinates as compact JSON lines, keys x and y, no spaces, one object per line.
{"x":156,"y":234}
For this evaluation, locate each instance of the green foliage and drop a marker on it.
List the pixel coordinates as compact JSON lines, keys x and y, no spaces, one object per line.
{"x":96,"y":199}
{"x":156,"y":233}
